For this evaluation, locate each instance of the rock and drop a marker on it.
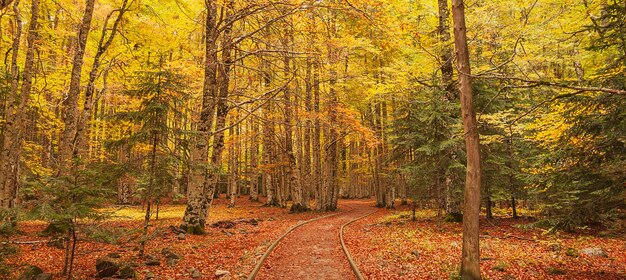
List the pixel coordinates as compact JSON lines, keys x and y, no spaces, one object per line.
{"x":596,"y":252}
{"x":195,"y":273}
{"x":127,"y":272}
{"x":30,"y":273}
{"x":152,"y":261}
{"x":222,"y":273}
{"x":148,"y":275}
{"x":182,"y":236}
{"x":223,"y":224}
{"x":177,"y":230}
{"x":44,"y":276}
{"x":106,"y":267}
{"x":171,"y":262}
{"x":114,"y":255}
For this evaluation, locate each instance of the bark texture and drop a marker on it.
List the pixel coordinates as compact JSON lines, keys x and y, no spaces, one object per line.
{"x":17,"y":103}
{"x":470,"y":268}
{"x":194,"y":219}
{"x":67,"y":143}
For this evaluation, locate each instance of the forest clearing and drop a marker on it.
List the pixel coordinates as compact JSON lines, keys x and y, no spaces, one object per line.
{"x":312,"y":139}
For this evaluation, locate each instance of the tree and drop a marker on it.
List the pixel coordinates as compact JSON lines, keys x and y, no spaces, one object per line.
{"x":194,"y":219}
{"x":67,"y":144}
{"x":470,"y":268}
{"x":13,"y":132}
{"x":158,"y":91}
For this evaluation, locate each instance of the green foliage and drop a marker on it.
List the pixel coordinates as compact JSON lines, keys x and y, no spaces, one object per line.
{"x":161,"y":93}
{"x":428,"y":127}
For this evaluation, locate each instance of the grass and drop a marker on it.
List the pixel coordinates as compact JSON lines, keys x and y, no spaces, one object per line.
{"x":136,"y":213}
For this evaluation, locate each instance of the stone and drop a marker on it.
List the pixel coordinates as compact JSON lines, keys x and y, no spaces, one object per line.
{"x":148,"y":275}
{"x":152,"y":261}
{"x":195,"y":273}
{"x":222,"y":273}
{"x":30,"y":272}
{"x":106,"y":267}
{"x":44,"y":276}
{"x":415,"y":253}
{"x":182,"y":236}
{"x":127,"y":272}
{"x":114,"y":255}
{"x":595,"y":252}
{"x":171,"y":261}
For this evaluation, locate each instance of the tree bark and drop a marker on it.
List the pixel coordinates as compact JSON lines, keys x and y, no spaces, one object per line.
{"x":194,"y":219}
{"x":254,"y":152}
{"x":67,"y":144}
{"x":470,"y":268}
{"x":16,"y":110}
{"x":292,"y":171}
{"x":81,"y":145}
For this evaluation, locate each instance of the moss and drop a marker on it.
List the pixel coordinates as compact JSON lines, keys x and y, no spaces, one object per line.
{"x":195,"y":230}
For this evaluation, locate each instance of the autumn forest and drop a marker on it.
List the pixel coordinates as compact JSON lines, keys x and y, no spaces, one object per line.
{"x":312,"y":139}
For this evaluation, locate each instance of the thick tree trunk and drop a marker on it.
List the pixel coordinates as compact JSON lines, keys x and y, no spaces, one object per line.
{"x":222,"y":112}
{"x":194,"y":219}
{"x":470,"y":268}
{"x":292,"y":171}
{"x":67,"y":143}
{"x":16,"y":110}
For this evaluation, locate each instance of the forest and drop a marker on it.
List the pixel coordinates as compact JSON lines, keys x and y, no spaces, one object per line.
{"x":312,"y":139}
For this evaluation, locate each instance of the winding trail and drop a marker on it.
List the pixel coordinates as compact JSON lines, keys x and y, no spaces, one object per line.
{"x":313,"y":250}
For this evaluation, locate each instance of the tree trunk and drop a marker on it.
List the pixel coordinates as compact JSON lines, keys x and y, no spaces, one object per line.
{"x":317,"y":136}
{"x":67,"y":143}
{"x":291,"y":168}
{"x":194,"y":219}
{"x":80,"y":143}
{"x":148,"y":194}
{"x":222,"y":112}
{"x":470,"y":268}
{"x":254,"y":152}
{"x":16,"y":110}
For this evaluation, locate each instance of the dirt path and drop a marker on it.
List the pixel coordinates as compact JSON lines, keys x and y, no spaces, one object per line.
{"x":313,"y":251}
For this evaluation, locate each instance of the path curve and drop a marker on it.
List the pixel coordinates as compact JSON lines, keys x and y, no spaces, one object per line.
{"x":313,"y":250}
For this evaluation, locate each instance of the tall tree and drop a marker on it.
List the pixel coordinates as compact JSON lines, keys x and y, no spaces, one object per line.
{"x":194,"y":219}
{"x":470,"y":268}
{"x":67,"y":143}
{"x":12,"y":141}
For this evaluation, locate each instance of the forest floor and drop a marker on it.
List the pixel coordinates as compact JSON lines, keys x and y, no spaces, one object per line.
{"x":385,"y":245}
{"x":390,"y":245}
